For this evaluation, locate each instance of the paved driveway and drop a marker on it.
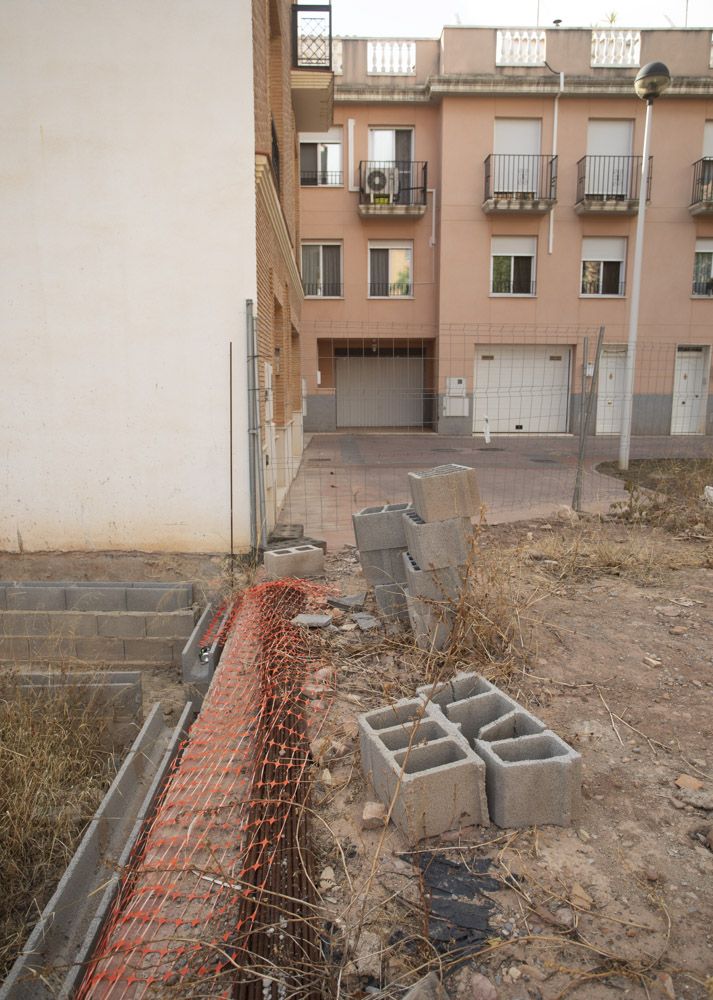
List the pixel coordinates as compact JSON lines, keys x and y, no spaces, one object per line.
{"x":519,"y":476}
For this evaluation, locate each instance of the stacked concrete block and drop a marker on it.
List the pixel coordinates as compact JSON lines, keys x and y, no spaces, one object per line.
{"x":423,"y":769}
{"x":298,"y":561}
{"x":445,"y":492}
{"x":531,"y":775}
{"x":381,"y":541}
{"x":391,"y":600}
{"x":437,"y":544}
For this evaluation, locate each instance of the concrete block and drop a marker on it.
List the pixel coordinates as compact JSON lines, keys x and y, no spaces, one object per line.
{"x":444,"y":492}
{"x":298,"y":561}
{"x":52,"y":648}
{"x":532,"y":780}
{"x":424,"y":766}
{"x":432,"y":584}
{"x":72,"y":623}
{"x":391,"y":600}
{"x":24,"y":623}
{"x":99,"y":649}
{"x":14,"y":650}
{"x":431,"y":624}
{"x":438,"y":544}
{"x":514,"y":724}
{"x":121,"y":626}
{"x":464,"y":685}
{"x":174,"y":625}
{"x":3,"y":597}
{"x":380,"y":527}
{"x":165,"y":598}
{"x":99,"y":598}
{"x":44,"y":598}
{"x":149,"y":650}
{"x":381,"y":566}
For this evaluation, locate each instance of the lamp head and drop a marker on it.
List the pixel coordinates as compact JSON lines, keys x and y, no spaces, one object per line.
{"x":651,"y":81}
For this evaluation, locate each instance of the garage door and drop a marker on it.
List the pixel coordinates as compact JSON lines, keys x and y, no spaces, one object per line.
{"x":521,"y":388}
{"x":379,"y":392}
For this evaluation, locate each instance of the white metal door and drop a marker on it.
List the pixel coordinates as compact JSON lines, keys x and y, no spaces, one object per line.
{"x":690,"y":391}
{"x":521,"y":388}
{"x":379,"y":392}
{"x":611,"y":138}
{"x":516,"y":141}
{"x":610,"y":390}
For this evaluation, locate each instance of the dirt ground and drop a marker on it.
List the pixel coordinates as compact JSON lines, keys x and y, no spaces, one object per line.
{"x":613,"y":649}
{"x":617,"y":657}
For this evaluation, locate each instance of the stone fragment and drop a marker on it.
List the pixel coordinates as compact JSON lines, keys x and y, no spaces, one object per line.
{"x":564,"y":916}
{"x":367,"y":955}
{"x":312,"y":621}
{"x":428,"y":988}
{"x":327,"y":879}
{"x":689,"y":782}
{"x":373,"y":816}
{"x":348,"y":602}
{"x":365,"y":622}
{"x":481,"y":988}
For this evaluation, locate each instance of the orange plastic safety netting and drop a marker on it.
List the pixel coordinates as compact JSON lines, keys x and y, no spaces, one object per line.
{"x":217,"y":900}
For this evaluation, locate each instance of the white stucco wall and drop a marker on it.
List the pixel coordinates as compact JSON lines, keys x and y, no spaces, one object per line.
{"x":128,"y":251}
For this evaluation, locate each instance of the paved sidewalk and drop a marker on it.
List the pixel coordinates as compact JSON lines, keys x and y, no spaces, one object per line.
{"x":519,"y":476}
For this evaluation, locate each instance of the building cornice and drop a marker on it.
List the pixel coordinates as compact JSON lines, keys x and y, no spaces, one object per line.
{"x":267,"y":195}
{"x":438,"y":87}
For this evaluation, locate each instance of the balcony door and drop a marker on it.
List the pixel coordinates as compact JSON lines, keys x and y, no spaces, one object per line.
{"x":609,"y":163}
{"x":516,"y":143}
{"x":394,"y":146}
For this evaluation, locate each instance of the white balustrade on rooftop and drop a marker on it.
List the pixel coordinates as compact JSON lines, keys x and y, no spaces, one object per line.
{"x":337,"y":54}
{"x":616,"y":48}
{"x":520,"y":47}
{"x":391,"y":58}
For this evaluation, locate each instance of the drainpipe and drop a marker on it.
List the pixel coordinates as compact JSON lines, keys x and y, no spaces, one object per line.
{"x":555,"y":124}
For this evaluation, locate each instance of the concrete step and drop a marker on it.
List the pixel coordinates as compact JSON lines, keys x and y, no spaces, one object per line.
{"x":171,"y":625}
{"x":59,"y":650}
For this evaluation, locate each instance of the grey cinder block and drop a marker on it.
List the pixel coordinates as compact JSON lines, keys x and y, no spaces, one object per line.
{"x":14,"y":650}
{"x":381,"y":566}
{"x":52,"y":648}
{"x":437,"y":544}
{"x":421,"y":763}
{"x":433,"y":584}
{"x":380,"y":527}
{"x":43,"y":598}
{"x":464,"y":685}
{"x":121,"y":626}
{"x":532,"y":780}
{"x":444,"y":492}
{"x":391,"y":600}
{"x":167,"y":598}
{"x":299,"y":561}
{"x":72,"y":623}
{"x":100,"y":598}
{"x":24,"y":623}
{"x":431,"y":624}
{"x":100,"y":649}
{"x":150,"y":651}
{"x":172,"y":625}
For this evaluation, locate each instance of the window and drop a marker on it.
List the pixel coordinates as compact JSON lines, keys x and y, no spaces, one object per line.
{"x":321,"y":159}
{"x":322,"y":270}
{"x":390,"y":270}
{"x":513,"y":265}
{"x":703,"y":268}
{"x":391,"y":145}
{"x":603,"y":265}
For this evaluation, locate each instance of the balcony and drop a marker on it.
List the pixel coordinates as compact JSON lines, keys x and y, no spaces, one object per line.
{"x":392,"y":188}
{"x":702,"y":195}
{"x":517,"y":182}
{"x":609,"y":185}
{"x":311,"y":76}
{"x":323,"y":289}
{"x":391,"y":289}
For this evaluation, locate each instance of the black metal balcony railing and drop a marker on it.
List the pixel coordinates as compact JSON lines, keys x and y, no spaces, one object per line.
{"x":703,"y":287}
{"x":517,"y":286}
{"x":702,"y":180}
{"x":611,"y":178}
{"x":393,"y":182}
{"x":312,"y":36}
{"x":603,"y":288}
{"x":323,"y":289}
{"x":321,"y":178}
{"x":521,"y":177}
{"x":391,"y":290}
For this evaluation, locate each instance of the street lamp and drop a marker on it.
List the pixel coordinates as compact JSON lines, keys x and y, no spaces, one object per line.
{"x":651,"y":81}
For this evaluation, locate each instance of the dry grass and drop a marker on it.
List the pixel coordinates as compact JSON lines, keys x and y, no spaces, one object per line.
{"x":667,"y":493}
{"x":56,"y":764}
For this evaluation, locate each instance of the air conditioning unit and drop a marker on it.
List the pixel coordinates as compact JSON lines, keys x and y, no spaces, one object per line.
{"x":382,"y":184}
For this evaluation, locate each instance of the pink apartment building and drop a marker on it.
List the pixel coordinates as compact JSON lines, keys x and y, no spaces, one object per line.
{"x":468,"y":224}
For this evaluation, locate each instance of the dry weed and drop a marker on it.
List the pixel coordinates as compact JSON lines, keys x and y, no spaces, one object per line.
{"x":667,"y":493}
{"x":56,"y":764}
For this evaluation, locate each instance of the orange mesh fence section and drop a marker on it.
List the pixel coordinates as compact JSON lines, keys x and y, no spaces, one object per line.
{"x":216,"y":900}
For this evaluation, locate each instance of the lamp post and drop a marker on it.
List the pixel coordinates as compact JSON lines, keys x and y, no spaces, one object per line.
{"x":651,"y":81}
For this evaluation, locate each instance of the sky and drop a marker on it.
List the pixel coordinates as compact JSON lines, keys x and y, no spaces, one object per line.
{"x":425,"y":18}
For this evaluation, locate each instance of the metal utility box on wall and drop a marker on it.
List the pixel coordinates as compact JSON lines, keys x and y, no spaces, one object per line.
{"x":455,"y":402}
